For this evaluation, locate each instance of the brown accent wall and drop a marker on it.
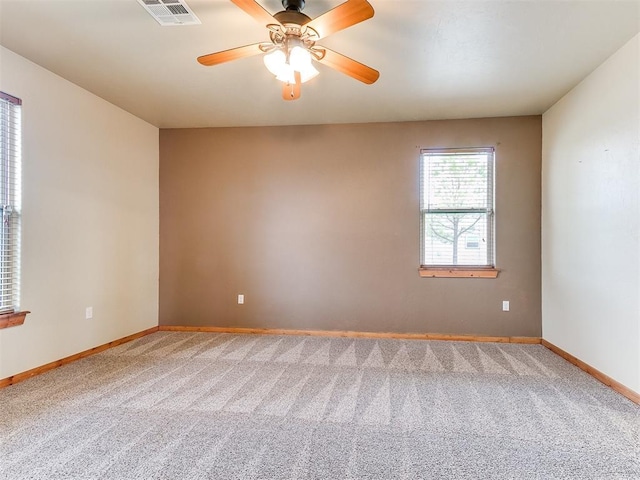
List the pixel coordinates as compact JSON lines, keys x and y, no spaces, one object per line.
{"x":318,"y":227}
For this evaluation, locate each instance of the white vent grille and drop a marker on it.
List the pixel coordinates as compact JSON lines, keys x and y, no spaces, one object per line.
{"x":170,"y":13}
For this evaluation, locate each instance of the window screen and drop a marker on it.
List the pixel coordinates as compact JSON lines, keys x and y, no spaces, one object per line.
{"x":10,"y":143}
{"x":456,"y":211}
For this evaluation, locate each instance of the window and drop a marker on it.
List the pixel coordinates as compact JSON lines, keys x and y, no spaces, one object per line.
{"x":10,"y":145}
{"x":456,"y":212}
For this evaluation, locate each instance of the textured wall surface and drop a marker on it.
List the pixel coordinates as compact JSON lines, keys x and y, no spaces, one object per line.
{"x":591,"y":211}
{"x":89,"y":219}
{"x":318,"y":226}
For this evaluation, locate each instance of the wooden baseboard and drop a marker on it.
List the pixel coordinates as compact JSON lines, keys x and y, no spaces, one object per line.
{"x":19,"y":377}
{"x":595,"y":373}
{"x":352,"y":334}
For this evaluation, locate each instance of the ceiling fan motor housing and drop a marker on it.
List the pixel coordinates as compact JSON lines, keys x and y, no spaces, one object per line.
{"x":292,"y":17}
{"x":296,"y":5}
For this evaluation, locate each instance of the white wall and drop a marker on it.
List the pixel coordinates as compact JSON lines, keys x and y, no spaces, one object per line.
{"x":90,"y":219}
{"x":591,"y":219}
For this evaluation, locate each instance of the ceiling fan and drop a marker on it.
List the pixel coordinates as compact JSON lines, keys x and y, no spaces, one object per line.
{"x":293,"y":46}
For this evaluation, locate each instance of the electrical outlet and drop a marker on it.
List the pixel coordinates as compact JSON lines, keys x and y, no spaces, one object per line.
{"x":88,"y":313}
{"x":505,"y":305}
{"x":240,"y":299}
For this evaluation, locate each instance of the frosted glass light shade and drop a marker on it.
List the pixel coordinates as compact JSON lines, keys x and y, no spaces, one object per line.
{"x":274,"y":61}
{"x":300,"y":60}
{"x":286,"y":74}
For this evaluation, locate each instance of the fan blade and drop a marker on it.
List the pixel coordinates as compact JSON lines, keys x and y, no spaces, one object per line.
{"x":344,"y":15}
{"x":254,"y":9}
{"x":231,"y":54}
{"x":350,"y":67}
{"x":291,"y":91}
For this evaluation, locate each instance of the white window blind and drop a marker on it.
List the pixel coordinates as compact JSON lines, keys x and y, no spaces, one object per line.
{"x":456,"y":213}
{"x":10,"y":154}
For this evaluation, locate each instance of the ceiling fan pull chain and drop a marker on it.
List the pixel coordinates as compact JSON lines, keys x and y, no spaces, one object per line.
{"x":291,"y":91}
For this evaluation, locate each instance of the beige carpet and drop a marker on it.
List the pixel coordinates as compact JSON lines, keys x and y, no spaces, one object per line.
{"x":220,"y":406}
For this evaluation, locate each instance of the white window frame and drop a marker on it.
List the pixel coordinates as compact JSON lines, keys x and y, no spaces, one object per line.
{"x":10,"y":202}
{"x":485,"y":270}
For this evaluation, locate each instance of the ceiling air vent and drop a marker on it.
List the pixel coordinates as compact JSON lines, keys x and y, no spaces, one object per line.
{"x":170,"y":12}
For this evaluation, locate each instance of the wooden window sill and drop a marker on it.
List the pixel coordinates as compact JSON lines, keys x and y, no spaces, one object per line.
{"x":12,"y":319}
{"x":453,"y":272}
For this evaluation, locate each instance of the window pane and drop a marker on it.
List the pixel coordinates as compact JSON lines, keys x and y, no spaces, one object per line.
{"x":10,"y":125}
{"x":455,"y":181}
{"x":455,"y":239}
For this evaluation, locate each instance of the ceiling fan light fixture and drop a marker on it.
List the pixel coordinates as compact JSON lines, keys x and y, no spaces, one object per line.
{"x":299,"y":61}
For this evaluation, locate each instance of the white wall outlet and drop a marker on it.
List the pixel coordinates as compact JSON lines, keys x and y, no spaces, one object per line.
{"x":88,"y":313}
{"x":240,"y":299}
{"x":505,"y":305}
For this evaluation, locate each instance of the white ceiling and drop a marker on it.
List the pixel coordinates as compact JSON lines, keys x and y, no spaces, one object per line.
{"x":437,"y":59}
